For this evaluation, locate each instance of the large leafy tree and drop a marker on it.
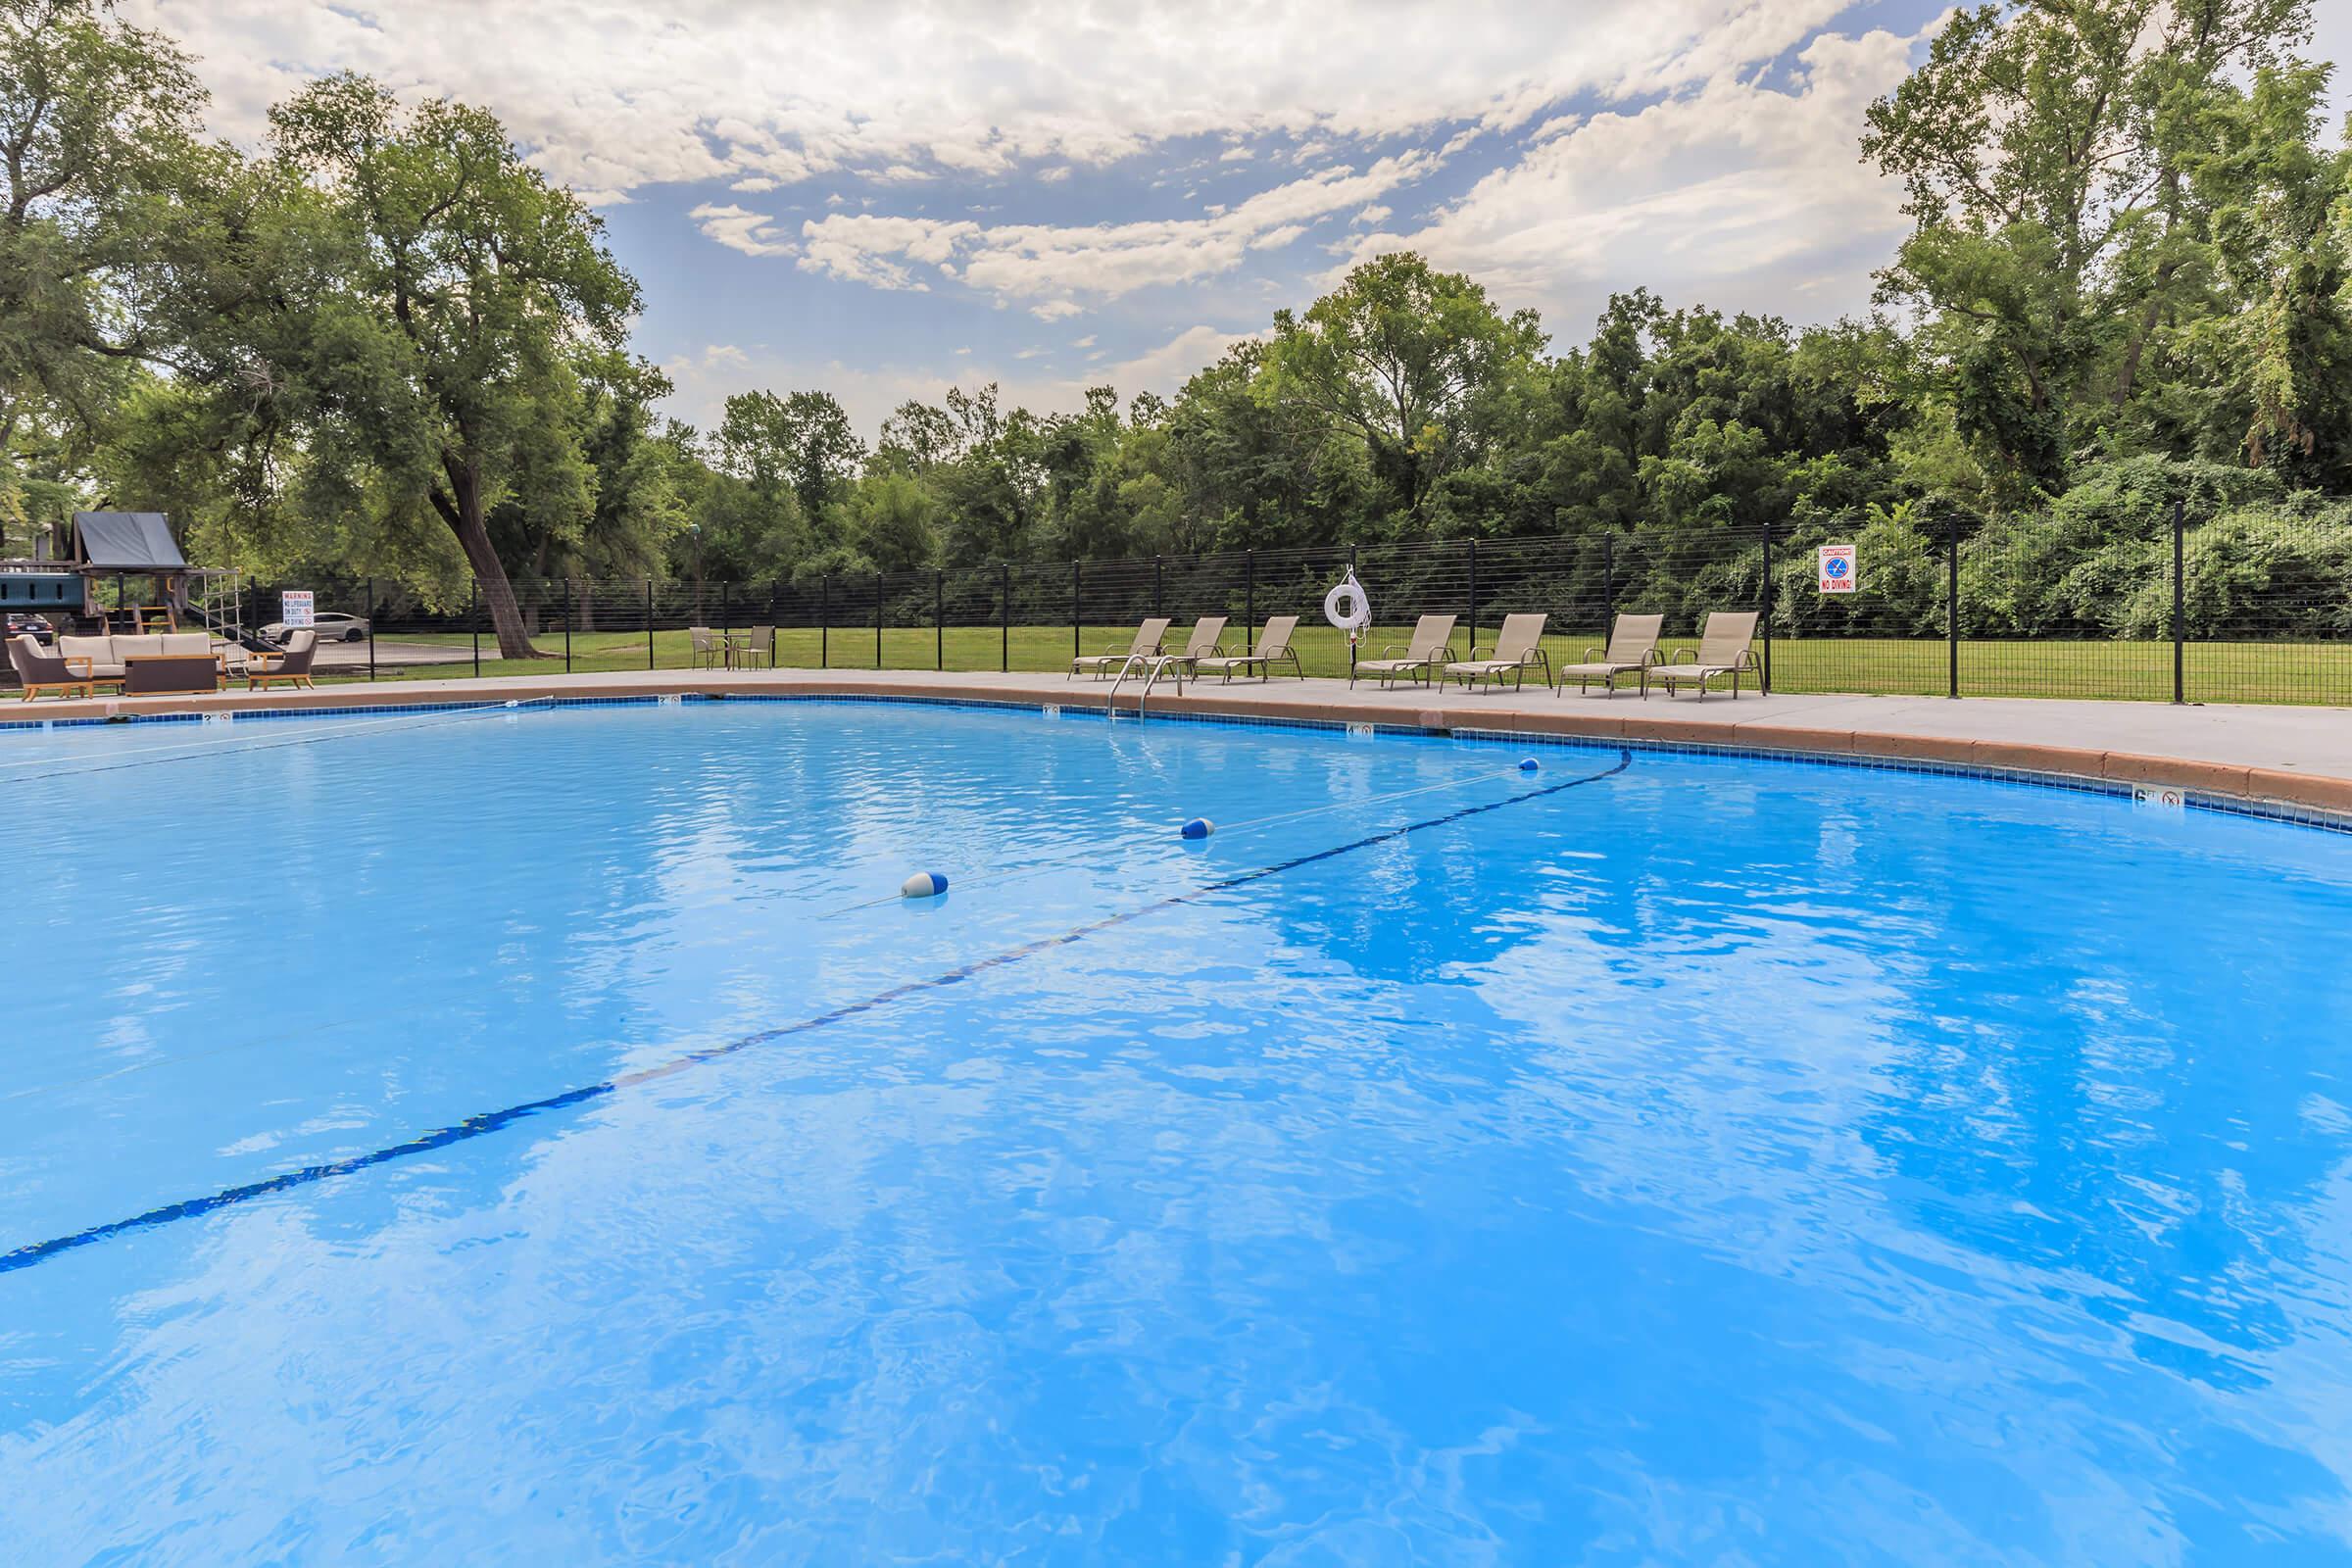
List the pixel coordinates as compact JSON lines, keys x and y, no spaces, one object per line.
{"x":1406,"y":360}
{"x":449,"y":359}
{"x":2046,"y":149}
{"x":98,"y":153}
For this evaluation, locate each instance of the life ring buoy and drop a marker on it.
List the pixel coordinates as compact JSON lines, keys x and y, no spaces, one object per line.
{"x":1347,"y":607}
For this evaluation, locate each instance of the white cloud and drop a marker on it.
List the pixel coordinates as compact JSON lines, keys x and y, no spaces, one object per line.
{"x":1236,"y":155}
{"x":755,"y":185}
{"x":739,"y":229}
{"x":1086,"y":342}
{"x":1049,"y":264}
{"x":1056,"y":309}
{"x":1737,"y":194}
{"x":611,"y":94}
{"x":1375,"y":214}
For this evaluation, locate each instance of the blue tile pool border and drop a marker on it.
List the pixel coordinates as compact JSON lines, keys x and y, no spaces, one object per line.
{"x":1476,"y":735}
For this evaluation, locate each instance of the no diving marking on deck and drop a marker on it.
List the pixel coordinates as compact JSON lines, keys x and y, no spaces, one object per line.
{"x":2162,"y":797}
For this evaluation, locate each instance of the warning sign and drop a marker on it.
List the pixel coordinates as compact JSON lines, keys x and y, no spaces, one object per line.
{"x":295,"y":608}
{"x":1837,"y":569}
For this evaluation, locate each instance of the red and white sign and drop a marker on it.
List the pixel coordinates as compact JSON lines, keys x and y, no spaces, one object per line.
{"x":1839,"y":569}
{"x":295,"y":609}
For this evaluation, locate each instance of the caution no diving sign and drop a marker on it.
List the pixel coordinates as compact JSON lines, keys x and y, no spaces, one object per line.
{"x":1838,"y":573}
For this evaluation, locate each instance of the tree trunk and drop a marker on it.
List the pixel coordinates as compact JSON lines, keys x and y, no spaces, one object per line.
{"x":463,"y":511}
{"x":584,"y":619}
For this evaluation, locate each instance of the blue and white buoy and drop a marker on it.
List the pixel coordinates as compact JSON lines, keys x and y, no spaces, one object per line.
{"x":1199,"y":827}
{"x":1528,"y":764}
{"x":923,"y":885}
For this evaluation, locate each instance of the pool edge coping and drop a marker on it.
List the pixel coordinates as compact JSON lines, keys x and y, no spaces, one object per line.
{"x":2314,"y":800}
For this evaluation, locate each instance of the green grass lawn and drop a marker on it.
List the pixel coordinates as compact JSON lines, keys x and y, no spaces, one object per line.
{"x":2216,"y":672}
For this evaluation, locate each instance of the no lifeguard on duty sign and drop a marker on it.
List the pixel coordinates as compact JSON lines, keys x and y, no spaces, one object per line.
{"x":1837,"y":569}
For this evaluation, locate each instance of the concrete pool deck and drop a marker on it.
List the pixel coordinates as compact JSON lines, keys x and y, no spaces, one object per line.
{"x":2297,"y":756}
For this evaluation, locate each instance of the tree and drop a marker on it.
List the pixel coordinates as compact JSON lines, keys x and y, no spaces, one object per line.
{"x":1402,"y":360}
{"x":448,"y":358}
{"x":2045,"y":150}
{"x":803,"y":441}
{"x":98,"y":133}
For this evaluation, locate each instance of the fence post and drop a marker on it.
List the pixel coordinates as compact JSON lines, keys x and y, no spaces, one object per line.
{"x":1609,"y":584}
{"x":1077,"y":617}
{"x":1350,"y":635}
{"x":568,"y":625}
{"x":1951,"y":602}
{"x":939,"y":616}
{"x":1004,"y":611}
{"x":726,"y":615}
{"x":370,"y":628}
{"x":648,"y":623}
{"x":877,"y":621}
{"x":1158,"y":586}
{"x":1764,"y":677}
{"x":1473,"y":599}
{"x":824,"y":621}
{"x":2179,"y":604}
{"x":473,"y":617}
{"x":1249,"y":593}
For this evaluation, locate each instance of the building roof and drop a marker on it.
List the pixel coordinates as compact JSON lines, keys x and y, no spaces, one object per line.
{"x":127,"y":541}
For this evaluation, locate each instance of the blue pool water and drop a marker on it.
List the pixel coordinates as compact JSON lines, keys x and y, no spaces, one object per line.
{"x":1715,"y":1160}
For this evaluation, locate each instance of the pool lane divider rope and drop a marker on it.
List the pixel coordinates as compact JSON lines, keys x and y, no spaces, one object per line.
{"x":343,"y":729}
{"x":488,"y":1122}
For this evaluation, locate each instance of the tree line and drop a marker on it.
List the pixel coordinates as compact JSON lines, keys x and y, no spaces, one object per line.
{"x":381,"y":342}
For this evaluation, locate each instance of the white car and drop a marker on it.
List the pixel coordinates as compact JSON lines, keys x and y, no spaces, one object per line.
{"x":332,"y":627}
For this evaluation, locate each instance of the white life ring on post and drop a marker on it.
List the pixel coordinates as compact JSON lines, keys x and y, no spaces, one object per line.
{"x":1347,"y":607}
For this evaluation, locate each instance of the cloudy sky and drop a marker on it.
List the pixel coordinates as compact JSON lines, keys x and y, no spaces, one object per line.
{"x":885,"y":198}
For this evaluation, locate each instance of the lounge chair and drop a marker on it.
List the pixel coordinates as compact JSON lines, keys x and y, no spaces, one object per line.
{"x":1431,"y":645}
{"x":1208,"y":641}
{"x":1725,"y":648}
{"x":1148,"y":638}
{"x":290,"y":663}
{"x":1273,"y":647}
{"x":1518,"y":647}
{"x":44,"y":672}
{"x":1632,"y":649}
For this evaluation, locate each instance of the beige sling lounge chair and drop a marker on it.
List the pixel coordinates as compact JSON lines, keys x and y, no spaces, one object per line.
{"x":1724,"y":649}
{"x":1518,"y":647}
{"x":1273,"y":647}
{"x":1207,"y":642}
{"x":1148,"y":638}
{"x":1431,"y":645}
{"x":1632,"y":649}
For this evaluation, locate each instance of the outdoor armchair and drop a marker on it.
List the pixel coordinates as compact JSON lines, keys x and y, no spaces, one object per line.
{"x":290,"y":663}
{"x":44,"y":672}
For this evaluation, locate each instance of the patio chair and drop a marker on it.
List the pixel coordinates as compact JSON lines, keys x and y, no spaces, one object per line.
{"x":1273,"y":647}
{"x":1632,"y":649}
{"x":1517,"y":647}
{"x":290,"y":663}
{"x":1725,"y":648}
{"x":704,"y":647}
{"x":1207,"y":640}
{"x":1148,"y":638}
{"x":752,"y":648}
{"x":1431,"y":645}
{"x":44,"y":672}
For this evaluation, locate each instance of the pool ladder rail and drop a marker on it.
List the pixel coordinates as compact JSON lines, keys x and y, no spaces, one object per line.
{"x":1152,"y":666}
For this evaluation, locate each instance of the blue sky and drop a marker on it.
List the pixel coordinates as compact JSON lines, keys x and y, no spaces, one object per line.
{"x":889,"y":197}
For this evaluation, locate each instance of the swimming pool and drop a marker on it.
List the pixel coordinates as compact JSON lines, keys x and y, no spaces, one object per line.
{"x":542,"y":1135}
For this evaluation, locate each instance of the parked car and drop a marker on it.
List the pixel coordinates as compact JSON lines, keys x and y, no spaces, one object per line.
{"x":24,"y":623}
{"x":332,"y":627}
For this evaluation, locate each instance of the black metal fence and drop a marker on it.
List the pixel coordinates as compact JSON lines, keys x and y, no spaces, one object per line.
{"x":2238,"y":608}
